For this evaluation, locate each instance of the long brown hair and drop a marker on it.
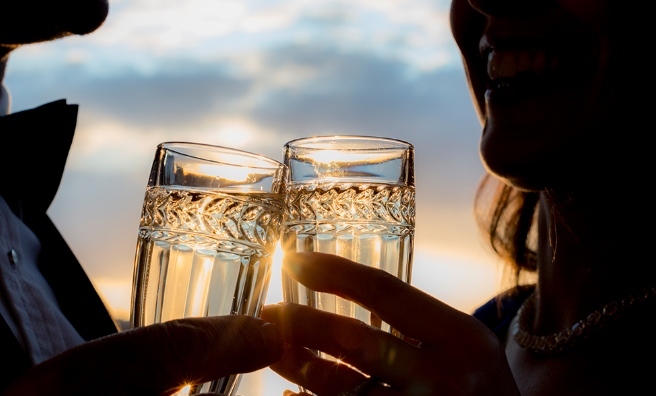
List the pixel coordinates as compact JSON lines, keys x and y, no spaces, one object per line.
{"x":506,"y":217}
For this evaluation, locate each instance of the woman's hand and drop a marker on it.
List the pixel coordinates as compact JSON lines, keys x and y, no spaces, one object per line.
{"x":448,"y":352}
{"x":156,"y":360}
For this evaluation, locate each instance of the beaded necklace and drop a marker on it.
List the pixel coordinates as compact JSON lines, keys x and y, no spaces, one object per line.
{"x":580,"y":331}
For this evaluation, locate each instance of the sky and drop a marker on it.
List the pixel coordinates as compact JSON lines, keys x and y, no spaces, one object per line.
{"x":253,"y":74}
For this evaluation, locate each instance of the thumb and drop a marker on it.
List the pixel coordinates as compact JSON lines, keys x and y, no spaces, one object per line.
{"x":157,"y":359}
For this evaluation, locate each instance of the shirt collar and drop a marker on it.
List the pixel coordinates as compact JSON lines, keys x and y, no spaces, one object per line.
{"x":37,"y":142}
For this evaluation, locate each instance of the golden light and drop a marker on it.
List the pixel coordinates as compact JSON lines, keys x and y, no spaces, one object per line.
{"x":234,"y":173}
{"x":183,"y":392}
{"x":234,"y":132}
{"x":199,"y":292}
{"x":178,"y":274}
{"x":117,"y":293}
{"x":327,"y":157}
{"x":278,"y":255}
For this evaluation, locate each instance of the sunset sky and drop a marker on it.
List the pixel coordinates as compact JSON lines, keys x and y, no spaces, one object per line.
{"x":253,"y":74}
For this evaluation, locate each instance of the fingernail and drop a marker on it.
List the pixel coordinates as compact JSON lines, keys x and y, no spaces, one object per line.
{"x":270,"y":313}
{"x":270,"y":334}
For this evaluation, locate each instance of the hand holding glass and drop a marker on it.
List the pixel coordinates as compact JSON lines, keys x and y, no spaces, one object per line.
{"x":209,"y":225}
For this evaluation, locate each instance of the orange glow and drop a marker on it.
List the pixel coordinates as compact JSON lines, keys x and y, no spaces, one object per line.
{"x":183,"y":392}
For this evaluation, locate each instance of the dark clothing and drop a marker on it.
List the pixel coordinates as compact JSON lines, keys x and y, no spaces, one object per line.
{"x":36,"y":143}
{"x":501,"y":309}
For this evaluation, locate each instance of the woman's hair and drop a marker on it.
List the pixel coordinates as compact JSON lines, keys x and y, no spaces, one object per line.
{"x":506,"y":216}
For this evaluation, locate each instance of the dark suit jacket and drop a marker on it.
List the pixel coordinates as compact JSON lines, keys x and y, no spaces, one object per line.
{"x":43,"y":136}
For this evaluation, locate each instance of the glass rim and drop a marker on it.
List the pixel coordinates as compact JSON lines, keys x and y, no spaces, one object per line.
{"x":318,"y":142}
{"x":177,"y":146}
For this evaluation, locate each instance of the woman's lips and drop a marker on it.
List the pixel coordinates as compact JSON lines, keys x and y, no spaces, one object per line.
{"x":513,"y":74}
{"x":520,"y":66}
{"x":509,"y":63}
{"x":516,"y":74}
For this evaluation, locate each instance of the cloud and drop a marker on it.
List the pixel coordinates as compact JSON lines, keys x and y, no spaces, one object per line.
{"x":280,"y":94}
{"x":286,"y":91}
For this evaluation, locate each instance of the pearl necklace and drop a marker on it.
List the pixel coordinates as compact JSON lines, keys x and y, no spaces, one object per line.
{"x":580,"y":331}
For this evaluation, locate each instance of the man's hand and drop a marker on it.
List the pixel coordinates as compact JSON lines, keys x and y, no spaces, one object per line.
{"x":157,"y":359}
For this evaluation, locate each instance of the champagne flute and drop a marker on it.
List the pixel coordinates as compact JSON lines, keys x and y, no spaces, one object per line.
{"x":352,"y":196}
{"x":209,"y":226}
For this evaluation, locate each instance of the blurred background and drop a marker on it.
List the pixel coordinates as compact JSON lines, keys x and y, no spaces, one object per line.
{"x":253,"y":74}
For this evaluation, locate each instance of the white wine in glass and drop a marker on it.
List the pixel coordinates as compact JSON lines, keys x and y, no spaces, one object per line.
{"x":352,"y":196}
{"x":210,"y":222}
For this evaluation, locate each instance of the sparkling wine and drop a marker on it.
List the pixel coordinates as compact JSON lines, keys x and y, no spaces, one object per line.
{"x":372,"y":224}
{"x":202,"y":254}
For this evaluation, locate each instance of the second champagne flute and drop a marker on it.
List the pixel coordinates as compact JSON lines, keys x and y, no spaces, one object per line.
{"x":352,"y":196}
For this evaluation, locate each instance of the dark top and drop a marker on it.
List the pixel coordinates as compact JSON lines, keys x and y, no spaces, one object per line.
{"x":499,"y":311}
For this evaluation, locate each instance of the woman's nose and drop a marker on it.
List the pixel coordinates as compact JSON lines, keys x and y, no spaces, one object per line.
{"x":510,"y":7}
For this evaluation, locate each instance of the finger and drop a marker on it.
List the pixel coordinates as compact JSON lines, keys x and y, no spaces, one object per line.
{"x":393,"y":300}
{"x":158,"y":358}
{"x":370,"y":350}
{"x":325,"y":376}
{"x":290,"y":393}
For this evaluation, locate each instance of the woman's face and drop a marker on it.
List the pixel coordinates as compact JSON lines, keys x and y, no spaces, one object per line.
{"x":541,"y":76}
